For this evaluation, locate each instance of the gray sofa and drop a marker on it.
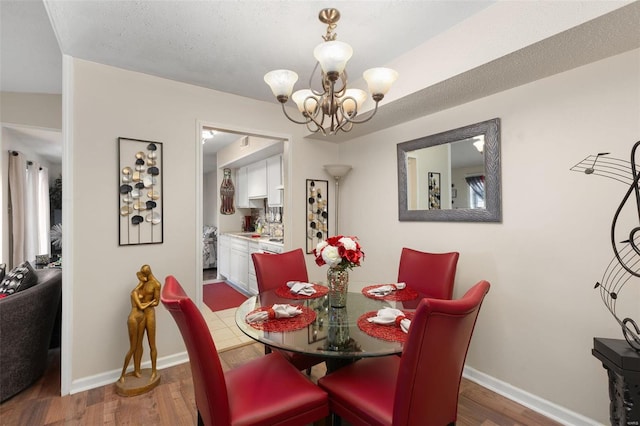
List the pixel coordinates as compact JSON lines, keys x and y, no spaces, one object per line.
{"x":27,"y":322}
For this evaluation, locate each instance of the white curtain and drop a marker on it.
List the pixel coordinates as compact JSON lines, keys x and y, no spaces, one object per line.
{"x":17,"y":184}
{"x":44,"y":213}
{"x":30,"y":223}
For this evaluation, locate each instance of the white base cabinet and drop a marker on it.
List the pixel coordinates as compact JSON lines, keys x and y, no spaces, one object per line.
{"x":224,"y":253}
{"x":235,"y":263}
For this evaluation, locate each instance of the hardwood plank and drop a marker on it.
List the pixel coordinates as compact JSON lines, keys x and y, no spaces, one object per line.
{"x":173,"y":401}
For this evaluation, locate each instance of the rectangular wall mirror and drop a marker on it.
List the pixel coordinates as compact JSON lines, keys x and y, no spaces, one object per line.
{"x":451,"y":176}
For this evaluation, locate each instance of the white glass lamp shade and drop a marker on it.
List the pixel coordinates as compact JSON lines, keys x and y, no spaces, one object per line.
{"x":479,"y":144}
{"x":333,"y":55}
{"x":301,"y":98}
{"x":380,"y":79}
{"x":281,"y":82}
{"x":337,"y":170}
{"x":348,"y":104}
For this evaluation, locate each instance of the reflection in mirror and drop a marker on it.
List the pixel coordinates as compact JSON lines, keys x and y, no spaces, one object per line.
{"x":451,"y":176}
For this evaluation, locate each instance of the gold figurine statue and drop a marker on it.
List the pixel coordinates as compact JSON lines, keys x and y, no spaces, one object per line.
{"x":144,"y":298}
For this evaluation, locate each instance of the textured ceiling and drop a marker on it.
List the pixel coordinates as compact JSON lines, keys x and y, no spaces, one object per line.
{"x":229,"y":46}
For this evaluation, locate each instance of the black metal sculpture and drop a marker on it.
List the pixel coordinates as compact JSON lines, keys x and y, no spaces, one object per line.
{"x":626,"y":245}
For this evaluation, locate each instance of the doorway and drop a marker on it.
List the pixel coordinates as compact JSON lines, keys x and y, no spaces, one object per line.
{"x":224,"y":147}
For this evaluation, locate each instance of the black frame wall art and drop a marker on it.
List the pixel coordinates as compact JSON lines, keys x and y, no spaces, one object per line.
{"x":140,"y":187}
{"x":317,"y":212}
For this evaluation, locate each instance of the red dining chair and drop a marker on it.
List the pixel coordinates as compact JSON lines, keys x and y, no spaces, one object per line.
{"x":430,"y":274}
{"x":273,"y":271}
{"x":421,"y":387}
{"x":265,"y":391}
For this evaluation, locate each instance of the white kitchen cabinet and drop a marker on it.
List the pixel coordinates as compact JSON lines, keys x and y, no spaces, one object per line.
{"x":224,"y":253}
{"x":257,"y":179}
{"x":238,"y":271}
{"x":274,"y":181}
{"x":254,"y":247}
{"x":242,"y":188}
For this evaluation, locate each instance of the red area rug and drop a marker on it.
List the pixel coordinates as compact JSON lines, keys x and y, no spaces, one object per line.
{"x":220,"y":296}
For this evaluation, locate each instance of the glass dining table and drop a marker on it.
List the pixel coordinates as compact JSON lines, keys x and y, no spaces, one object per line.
{"x":339,"y":335}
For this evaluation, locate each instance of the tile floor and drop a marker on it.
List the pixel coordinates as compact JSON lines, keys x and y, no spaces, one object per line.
{"x":224,"y":331}
{"x":222,"y":324}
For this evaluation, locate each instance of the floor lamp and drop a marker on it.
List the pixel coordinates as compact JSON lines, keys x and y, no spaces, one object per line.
{"x":338,"y":171}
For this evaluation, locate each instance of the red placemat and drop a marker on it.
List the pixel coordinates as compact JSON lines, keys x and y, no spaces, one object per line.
{"x":385,"y":332}
{"x":285,"y":324}
{"x":397,"y":295}
{"x":285,"y":292}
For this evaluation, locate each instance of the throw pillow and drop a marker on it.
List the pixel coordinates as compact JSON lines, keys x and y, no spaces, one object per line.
{"x":19,"y":278}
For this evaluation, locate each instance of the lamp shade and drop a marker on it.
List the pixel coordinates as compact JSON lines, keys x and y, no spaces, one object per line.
{"x":380,"y":79}
{"x":333,"y":55}
{"x":306,"y":100}
{"x":281,"y":82}
{"x":348,"y":103}
{"x":337,"y":170}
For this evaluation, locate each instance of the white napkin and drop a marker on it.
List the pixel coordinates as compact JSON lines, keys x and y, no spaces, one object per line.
{"x":383,"y":290}
{"x":388,"y":316}
{"x":298,"y":287}
{"x":276,"y":311}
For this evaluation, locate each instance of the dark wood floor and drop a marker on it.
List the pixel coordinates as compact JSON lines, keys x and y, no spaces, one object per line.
{"x":172,"y":402}
{"x":209,"y":274}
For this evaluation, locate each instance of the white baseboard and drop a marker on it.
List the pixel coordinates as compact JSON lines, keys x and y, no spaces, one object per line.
{"x":533,"y":402}
{"x":110,"y":377}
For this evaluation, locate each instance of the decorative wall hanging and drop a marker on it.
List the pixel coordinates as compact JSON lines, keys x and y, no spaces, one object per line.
{"x":317,"y":212}
{"x":227,"y":190}
{"x":140,"y":195}
{"x":625,"y":242}
{"x":434,"y":190}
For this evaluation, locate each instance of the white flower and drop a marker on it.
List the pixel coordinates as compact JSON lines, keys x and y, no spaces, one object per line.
{"x":322,"y":244}
{"x":348,"y":243}
{"x":331,"y":256}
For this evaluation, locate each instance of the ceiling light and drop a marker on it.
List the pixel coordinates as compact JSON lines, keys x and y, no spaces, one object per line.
{"x":335,"y":108}
{"x":208,"y":134}
{"x":479,"y":144}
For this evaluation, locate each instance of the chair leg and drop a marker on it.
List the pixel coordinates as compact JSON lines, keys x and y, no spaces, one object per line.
{"x":309,"y":371}
{"x":335,"y":420}
{"x":200,"y":422}
{"x":267,"y":350}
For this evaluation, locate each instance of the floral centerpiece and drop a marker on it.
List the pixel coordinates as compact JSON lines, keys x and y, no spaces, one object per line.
{"x":340,"y":253}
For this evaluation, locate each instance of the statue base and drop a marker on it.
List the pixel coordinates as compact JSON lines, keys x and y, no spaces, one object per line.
{"x":133,"y":385}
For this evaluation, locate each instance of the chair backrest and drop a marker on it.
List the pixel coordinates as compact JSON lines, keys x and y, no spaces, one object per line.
{"x":432,"y":274}
{"x":433,"y":358}
{"x":208,"y":377}
{"x":274,"y":270}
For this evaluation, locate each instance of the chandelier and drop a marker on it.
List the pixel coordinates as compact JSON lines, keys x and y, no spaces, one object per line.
{"x":334,"y":108}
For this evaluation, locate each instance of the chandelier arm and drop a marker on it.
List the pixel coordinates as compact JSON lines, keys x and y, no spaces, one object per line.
{"x":318,"y":124}
{"x":343,"y":89}
{"x":291,"y":119}
{"x":363,"y":120}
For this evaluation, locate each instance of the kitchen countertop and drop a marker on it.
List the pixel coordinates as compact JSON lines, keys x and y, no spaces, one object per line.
{"x":254,"y":236}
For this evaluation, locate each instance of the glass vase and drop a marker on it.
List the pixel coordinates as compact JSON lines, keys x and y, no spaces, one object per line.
{"x":338,"y":280}
{"x":338,"y":331}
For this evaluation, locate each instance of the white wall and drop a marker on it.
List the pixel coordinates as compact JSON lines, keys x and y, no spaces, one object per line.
{"x":31,"y":109}
{"x":536,"y":327}
{"x":210,"y":200}
{"x":108,"y":103}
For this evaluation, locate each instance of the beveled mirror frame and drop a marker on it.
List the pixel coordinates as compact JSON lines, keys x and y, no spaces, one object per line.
{"x":493,"y":199}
